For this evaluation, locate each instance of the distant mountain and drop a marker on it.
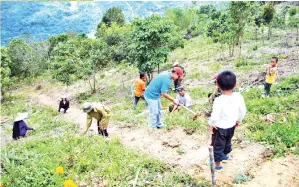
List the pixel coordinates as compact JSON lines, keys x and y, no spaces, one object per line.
{"x":40,"y":20}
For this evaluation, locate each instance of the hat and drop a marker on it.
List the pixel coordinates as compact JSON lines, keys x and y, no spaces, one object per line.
{"x":21,"y":116}
{"x":63,"y":97}
{"x":215,"y":77}
{"x":176,"y":63}
{"x":180,"y":88}
{"x":87,"y":107}
{"x":179,"y":71}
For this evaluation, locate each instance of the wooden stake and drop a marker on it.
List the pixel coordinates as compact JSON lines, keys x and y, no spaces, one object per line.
{"x":212,"y":165}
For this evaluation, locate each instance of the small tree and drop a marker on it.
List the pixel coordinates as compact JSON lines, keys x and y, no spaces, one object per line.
{"x":22,"y":61}
{"x":5,"y":72}
{"x":294,"y":20}
{"x":113,"y":14}
{"x":268,"y":15}
{"x":99,"y":58}
{"x":238,"y":15}
{"x":150,"y":38}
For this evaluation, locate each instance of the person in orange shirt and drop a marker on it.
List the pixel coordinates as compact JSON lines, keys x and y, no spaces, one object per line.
{"x":139,"y":88}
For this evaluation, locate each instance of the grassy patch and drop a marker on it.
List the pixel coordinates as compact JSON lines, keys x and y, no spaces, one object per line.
{"x":32,"y":161}
{"x":241,"y":178}
{"x":284,"y":132}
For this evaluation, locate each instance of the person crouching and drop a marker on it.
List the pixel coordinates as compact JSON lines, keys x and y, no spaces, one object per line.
{"x":64,"y":104}
{"x":101,"y":113}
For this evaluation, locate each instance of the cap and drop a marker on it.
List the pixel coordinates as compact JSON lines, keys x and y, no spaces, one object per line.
{"x":176,"y":63}
{"x":87,"y":107}
{"x":180,"y":88}
{"x":215,"y":77}
{"x":179,"y":71}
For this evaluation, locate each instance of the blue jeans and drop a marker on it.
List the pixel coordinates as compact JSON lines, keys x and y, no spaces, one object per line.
{"x":154,"y":113}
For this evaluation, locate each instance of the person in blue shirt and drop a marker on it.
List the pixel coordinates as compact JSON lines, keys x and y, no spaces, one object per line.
{"x":157,"y":87}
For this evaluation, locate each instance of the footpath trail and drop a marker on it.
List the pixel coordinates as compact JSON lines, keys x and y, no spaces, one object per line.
{"x":188,"y":152}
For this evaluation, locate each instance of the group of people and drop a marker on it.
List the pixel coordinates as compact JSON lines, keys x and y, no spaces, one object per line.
{"x":228,"y":111}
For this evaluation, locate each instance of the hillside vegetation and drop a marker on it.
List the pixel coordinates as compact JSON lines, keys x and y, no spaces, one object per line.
{"x":205,"y":40}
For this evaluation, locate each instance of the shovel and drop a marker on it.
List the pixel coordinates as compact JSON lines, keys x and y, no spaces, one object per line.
{"x":195,"y":115}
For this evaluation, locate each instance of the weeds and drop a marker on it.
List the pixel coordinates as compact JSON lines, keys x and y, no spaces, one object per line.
{"x":33,"y":161}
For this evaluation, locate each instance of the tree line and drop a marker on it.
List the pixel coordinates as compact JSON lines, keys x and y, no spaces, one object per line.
{"x":144,"y":43}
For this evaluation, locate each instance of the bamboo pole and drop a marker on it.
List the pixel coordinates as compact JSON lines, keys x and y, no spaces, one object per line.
{"x":212,"y":165}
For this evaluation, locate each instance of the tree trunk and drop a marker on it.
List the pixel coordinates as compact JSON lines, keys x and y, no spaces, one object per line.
{"x":94,"y":83}
{"x":240,"y":54}
{"x":256,"y":30}
{"x":94,"y":79}
{"x":286,"y":44}
{"x":158,"y":68}
{"x":269,"y":31}
{"x":297,"y":37}
{"x":233,"y":50}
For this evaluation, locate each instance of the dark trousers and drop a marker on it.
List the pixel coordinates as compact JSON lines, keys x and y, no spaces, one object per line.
{"x":267,"y":88}
{"x":222,"y":142}
{"x":136,"y":99}
{"x":177,"y":83}
{"x":102,"y":132}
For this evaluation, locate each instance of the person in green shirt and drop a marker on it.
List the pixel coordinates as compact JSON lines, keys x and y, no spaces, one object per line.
{"x":101,"y":113}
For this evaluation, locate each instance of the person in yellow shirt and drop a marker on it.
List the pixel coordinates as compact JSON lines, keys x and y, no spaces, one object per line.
{"x":101,"y":113}
{"x":271,"y":75}
{"x":139,"y":87}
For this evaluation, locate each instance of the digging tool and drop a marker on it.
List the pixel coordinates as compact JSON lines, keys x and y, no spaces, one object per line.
{"x":195,"y":115}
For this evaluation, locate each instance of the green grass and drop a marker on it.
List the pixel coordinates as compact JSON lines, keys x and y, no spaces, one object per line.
{"x":284,"y":132}
{"x":32,"y":161}
{"x":241,"y":178}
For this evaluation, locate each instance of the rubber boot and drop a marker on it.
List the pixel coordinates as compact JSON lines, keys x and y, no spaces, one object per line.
{"x":105,"y":133}
{"x":100,"y":131}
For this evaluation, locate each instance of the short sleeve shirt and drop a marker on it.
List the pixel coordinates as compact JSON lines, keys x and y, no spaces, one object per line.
{"x":158,"y":85}
{"x":139,"y":87}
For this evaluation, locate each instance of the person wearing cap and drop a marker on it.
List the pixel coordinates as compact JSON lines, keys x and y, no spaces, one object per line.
{"x":20,"y":128}
{"x":157,"y":87}
{"x":182,"y":98}
{"x":101,"y":113}
{"x":177,"y":83}
{"x":217,"y":92}
{"x":139,"y":88}
{"x":64,"y":104}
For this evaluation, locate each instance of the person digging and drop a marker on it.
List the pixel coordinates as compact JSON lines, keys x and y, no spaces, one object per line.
{"x":101,"y":113}
{"x":158,"y":87}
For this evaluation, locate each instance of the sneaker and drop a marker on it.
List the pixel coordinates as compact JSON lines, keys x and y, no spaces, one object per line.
{"x":225,"y":157}
{"x":218,"y":167}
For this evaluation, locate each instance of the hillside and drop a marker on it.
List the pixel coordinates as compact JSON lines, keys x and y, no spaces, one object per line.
{"x":265,"y":145}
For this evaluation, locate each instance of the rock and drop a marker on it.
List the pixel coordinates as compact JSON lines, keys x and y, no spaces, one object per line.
{"x":293,"y":148}
{"x":270,"y":118}
{"x":189,"y":131}
{"x":171,"y":143}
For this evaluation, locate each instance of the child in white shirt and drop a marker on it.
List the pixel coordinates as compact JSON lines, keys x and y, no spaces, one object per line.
{"x":228,"y":111}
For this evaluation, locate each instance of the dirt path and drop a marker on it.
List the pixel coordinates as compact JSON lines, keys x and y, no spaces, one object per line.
{"x":189,"y":153}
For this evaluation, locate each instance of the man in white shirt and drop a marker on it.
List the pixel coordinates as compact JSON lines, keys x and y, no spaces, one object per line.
{"x":228,"y":111}
{"x":182,"y":98}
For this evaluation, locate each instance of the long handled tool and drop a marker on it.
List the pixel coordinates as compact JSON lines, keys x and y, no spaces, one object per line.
{"x":195,"y":115}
